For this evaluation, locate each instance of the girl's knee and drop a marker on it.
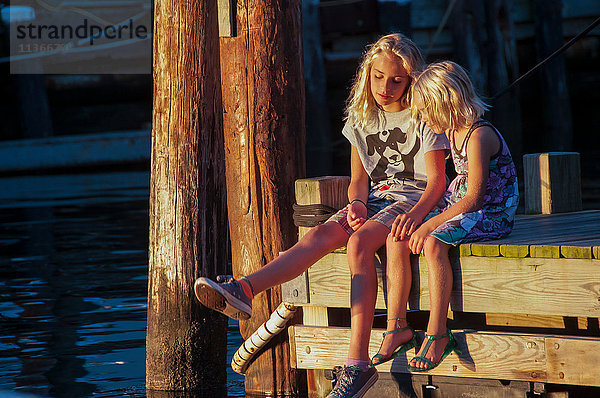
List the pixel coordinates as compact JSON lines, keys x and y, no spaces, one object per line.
{"x":329,"y":234}
{"x":400,"y":246}
{"x":435,"y":248}
{"x":359,"y":244}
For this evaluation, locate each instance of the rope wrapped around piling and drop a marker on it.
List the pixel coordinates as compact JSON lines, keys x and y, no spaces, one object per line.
{"x":311,"y":215}
{"x":266,"y":331}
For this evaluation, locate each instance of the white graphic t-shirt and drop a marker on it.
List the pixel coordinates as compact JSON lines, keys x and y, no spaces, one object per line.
{"x":393,"y":152}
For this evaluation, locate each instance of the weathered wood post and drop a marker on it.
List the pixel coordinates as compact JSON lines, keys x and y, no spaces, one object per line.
{"x":186,"y":343}
{"x":263,"y":104}
{"x":547,"y":17}
{"x":552,"y":182}
{"x":318,"y":125}
{"x":503,"y":69}
{"x":484,"y":42}
{"x":332,"y":192}
{"x":468,"y":33}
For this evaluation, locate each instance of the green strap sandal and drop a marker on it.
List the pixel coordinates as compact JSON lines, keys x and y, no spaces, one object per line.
{"x":430,"y":365}
{"x":378,"y":358}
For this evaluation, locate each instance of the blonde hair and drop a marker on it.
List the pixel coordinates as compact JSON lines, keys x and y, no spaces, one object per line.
{"x":361,"y":108}
{"x":448,"y":96}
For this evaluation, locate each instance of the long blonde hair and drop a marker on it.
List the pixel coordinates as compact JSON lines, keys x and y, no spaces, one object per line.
{"x":448,"y":96}
{"x":361,"y":108}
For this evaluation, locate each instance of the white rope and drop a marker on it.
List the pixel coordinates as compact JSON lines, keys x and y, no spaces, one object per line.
{"x":266,"y":331}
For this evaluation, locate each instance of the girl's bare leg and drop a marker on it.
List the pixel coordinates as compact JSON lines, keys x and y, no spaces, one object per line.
{"x":398,"y":279}
{"x":319,"y":241}
{"x":440,"y":289}
{"x":362,"y":246}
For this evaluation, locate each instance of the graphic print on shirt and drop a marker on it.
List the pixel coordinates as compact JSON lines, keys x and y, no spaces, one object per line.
{"x":396,"y":154}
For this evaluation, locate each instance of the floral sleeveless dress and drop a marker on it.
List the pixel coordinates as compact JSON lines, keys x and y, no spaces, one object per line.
{"x":496,"y":217}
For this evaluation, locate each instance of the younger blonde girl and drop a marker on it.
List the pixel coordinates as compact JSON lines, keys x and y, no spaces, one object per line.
{"x":482,"y":199}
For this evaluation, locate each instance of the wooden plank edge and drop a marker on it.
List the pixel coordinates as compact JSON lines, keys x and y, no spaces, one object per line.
{"x":527,"y":356}
{"x":584,"y":252}
{"x":292,"y":345}
{"x":544,"y":251}
{"x":514,"y":251}
{"x":525,"y":320}
{"x":490,"y":249}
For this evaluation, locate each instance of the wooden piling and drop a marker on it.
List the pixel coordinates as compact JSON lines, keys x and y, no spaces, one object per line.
{"x":484,"y":42}
{"x":263,"y":105}
{"x":318,"y":125}
{"x":547,"y":17}
{"x":186,"y":343}
{"x":503,"y":69}
{"x":552,"y":182}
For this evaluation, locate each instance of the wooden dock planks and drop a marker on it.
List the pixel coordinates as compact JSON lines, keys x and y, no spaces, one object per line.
{"x":544,"y":275}
{"x":509,"y":356}
{"x":516,"y":285}
{"x":562,"y":235}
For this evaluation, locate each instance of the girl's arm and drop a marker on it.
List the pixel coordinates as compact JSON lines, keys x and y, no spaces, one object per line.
{"x":482,"y":145}
{"x":406,"y":224}
{"x":358,"y":189}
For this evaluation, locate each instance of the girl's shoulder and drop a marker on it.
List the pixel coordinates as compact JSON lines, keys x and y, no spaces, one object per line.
{"x":485,"y":136}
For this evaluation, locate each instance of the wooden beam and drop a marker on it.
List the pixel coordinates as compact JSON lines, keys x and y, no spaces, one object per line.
{"x":329,"y":282}
{"x":535,"y":286}
{"x":508,"y":356}
{"x":525,"y":320}
{"x":296,"y":290}
{"x":573,"y":361}
{"x":330,"y":191}
{"x":318,"y":385}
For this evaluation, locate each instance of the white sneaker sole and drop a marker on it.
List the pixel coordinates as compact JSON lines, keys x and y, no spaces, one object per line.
{"x":215,"y":297}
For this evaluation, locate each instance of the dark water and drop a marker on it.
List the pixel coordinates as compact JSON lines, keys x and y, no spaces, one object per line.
{"x":73,"y":284}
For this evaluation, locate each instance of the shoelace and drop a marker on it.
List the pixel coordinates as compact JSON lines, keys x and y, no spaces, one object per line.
{"x":344,"y":378}
{"x":225,"y":279}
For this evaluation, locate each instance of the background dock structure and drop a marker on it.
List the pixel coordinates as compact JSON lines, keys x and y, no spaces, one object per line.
{"x":80,"y":105}
{"x":524,"y":310}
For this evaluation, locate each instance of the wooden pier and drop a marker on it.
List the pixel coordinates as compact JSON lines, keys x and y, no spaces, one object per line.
{"x":524,"y":310}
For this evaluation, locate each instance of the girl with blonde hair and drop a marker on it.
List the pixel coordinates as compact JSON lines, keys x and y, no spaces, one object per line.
{"x":482,"y":199}
{"x":397,"y":177}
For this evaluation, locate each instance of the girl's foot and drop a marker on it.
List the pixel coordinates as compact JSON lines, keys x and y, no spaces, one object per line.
{"x":433,"y":350}
{"x":395,"y":341}
{"x":226,"y":295}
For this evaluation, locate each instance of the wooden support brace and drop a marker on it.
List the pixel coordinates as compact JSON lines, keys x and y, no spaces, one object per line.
{"x":318,"y":385}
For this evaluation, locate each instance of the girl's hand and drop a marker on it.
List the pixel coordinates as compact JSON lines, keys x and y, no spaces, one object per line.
{"x":404,"y":225}
{"x":418,"y":238}
{"x":357,"y":215}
